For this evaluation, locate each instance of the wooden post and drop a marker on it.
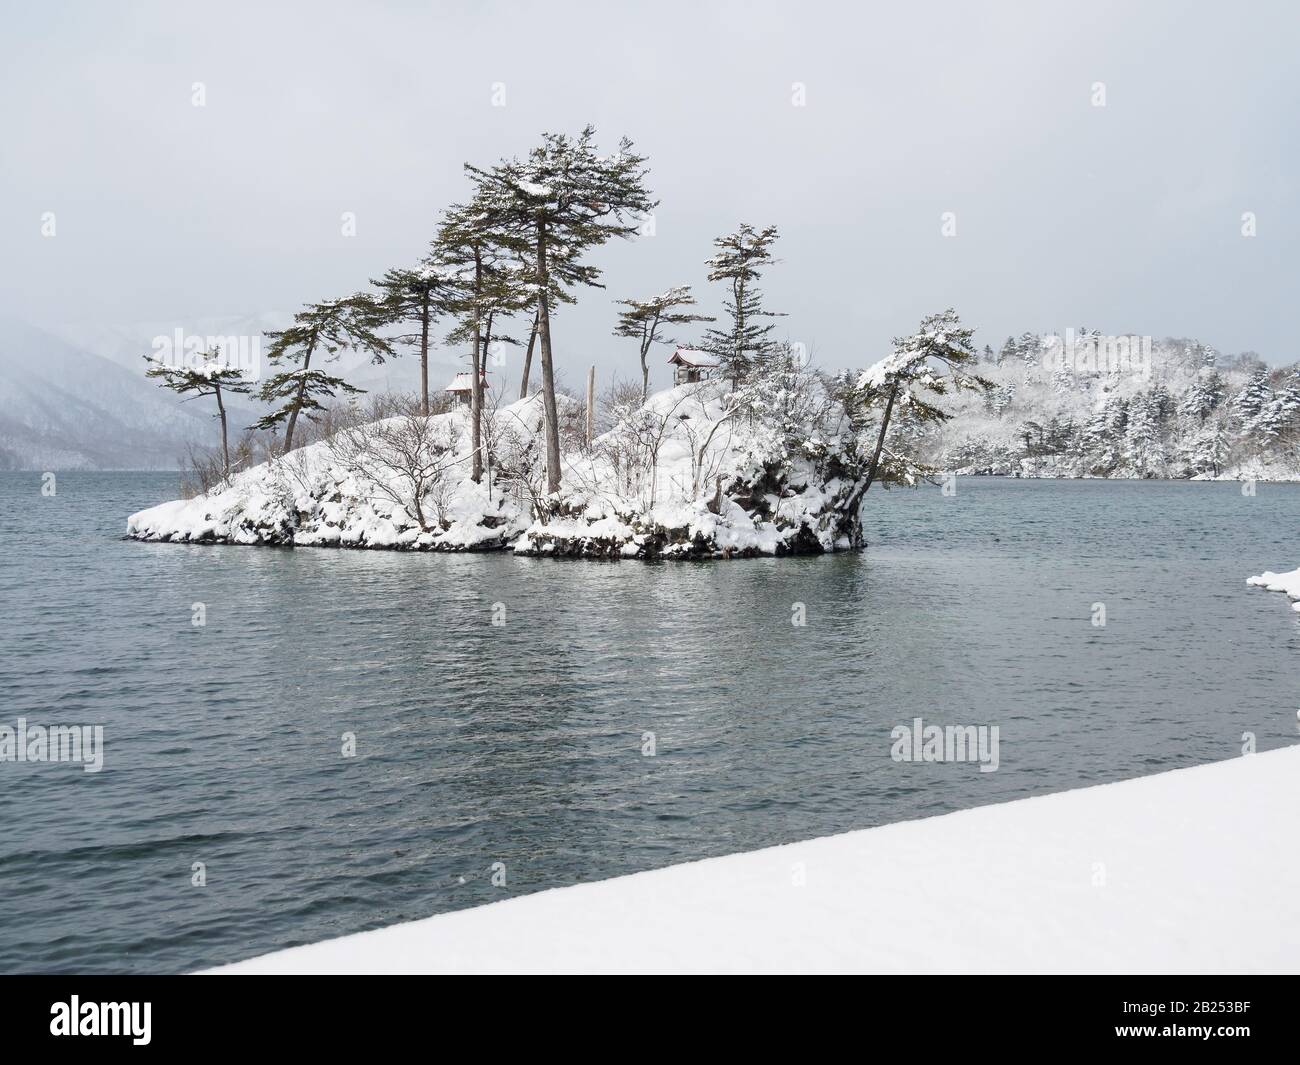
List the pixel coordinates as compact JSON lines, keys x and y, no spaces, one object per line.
{"x":591,"y":404}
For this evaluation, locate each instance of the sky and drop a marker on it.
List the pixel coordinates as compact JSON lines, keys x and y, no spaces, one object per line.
{"x":857,"y":129}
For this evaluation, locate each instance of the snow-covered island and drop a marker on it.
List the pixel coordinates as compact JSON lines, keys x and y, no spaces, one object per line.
{"x":1150,"y":875}
{"x":698,"y":471}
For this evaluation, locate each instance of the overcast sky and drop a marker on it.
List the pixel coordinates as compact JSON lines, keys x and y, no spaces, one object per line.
{"x":1126,"y":217}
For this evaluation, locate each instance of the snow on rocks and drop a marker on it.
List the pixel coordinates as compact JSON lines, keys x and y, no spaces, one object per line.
{"x":697,"y":472}
{"x":1288,"y":582}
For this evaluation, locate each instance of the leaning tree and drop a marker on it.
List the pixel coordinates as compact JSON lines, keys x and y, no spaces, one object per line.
{"x":563,"y":199}
{"x":929,"y":364}
{"x":319,"y":329}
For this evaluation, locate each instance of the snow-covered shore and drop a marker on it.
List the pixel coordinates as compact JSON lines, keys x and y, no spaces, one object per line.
{"x":1189,"y":871}
{"x":1288,"y":582}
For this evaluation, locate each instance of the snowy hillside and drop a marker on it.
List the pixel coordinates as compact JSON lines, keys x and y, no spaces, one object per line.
{"x":697,"y":472}
{"x":1087,"y":406}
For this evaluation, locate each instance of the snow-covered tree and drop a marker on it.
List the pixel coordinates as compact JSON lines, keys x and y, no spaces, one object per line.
{"x":563,"y":196}
{"x":1206,"y":448}
{"x":644,"y":320}
{"x":929,"y":364}
{"x":1028,"y":348}
{"x":491,"y":287}
{"x":1203,"y":396}
{"x":739,"y":261}
{"x":212,"y":376}
{"x":1143,"y":444}
{"x":319,"y":329}
{"x":1251,"y":399}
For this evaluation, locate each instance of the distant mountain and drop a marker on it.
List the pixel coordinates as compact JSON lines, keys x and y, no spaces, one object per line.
{"x":75,"y":396}
{"x":62,"y":407}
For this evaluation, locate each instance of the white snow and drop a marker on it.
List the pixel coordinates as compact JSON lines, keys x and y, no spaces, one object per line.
{"x":1189,"y":871}
{"x":1288,"y":582}
{"x":663,"y":482}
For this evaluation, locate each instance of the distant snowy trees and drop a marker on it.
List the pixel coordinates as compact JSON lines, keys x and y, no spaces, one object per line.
{"x":1190,"y":413}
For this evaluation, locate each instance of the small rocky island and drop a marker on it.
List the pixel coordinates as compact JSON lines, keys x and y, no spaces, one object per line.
{"x":699,"y":471}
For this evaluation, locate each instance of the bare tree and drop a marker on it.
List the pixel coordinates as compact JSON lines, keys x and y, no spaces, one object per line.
{"x":409,"y":460}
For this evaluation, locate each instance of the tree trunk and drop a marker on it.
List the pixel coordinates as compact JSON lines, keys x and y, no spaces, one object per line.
{"x":548,"y":369}
{"x":880,"y":441}
{"x":297,"y":402}
{"x":647,"y":338}
{"x":424,"y":355}
{"x":476,"y":385}
{"x":738,"y":294}
{"x":528,"y":357}
{"x":591,"y":404}
{"x":225,"y":445}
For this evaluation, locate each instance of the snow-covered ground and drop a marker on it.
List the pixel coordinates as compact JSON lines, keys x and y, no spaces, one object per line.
{"x":698,"y":471}
{"x":1190,"y":871}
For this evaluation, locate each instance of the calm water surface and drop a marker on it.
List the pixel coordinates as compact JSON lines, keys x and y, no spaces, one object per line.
{"x":522,"y":743}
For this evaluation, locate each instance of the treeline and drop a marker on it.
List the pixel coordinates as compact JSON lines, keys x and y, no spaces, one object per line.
{"x":1190,"y":413}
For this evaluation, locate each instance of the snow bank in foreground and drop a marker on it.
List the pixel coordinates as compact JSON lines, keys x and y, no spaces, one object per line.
{"x":1151,"y":875}
{"x":1280,"y":582}
{"x":691,"y":474}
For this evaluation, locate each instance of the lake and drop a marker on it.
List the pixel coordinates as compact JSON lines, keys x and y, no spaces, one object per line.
{"x":522,"y":749}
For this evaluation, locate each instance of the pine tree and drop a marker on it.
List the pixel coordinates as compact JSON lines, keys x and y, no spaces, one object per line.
{"x":418,"y":296}
{"x":1251,"y":399}
{"x":1202,"y":397}
{"x":1143,"y":445}
{"x":562,"y":196}
{"x":1027,"y":348}
{"x":643,"y":320}
{"x":739,"y":259}
{"x":491,"y":287}
{"x":1206,"y":449}
{"x":210,"y":377}
{"x":911,"y":377}
{"x":319,"y":329}
{"x":565,"y":275}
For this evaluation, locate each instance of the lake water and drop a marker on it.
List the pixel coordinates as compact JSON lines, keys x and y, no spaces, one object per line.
{"x":522,"y":743}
